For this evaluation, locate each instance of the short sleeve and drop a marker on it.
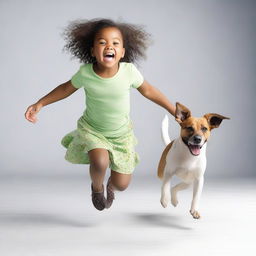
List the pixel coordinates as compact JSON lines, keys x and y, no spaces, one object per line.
{"x":136,"y":77}
{"x":77,"y":79}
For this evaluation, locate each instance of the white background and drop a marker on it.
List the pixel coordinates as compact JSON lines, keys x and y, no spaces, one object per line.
{"x":203,"y":56}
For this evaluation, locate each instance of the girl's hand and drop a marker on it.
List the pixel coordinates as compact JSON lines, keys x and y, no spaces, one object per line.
{"x":31,"y":112}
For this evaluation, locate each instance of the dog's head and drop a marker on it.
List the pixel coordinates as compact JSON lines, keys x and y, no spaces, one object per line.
{"x":196,"y":131}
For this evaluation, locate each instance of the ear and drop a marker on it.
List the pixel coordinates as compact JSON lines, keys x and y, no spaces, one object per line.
{"x":92,"y":52}
{"x":181,"y":113}
{"x":214,"y":120}
{"x":123,"y":52}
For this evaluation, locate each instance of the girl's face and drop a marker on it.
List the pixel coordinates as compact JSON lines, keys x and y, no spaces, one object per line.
{"x":108,"y":47}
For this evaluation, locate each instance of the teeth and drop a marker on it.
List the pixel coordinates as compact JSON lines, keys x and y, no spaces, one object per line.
{"x":193,"y":145}
{"x":109,"y":55}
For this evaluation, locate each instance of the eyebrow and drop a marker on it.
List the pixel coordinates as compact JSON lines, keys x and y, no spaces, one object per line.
{"x":112,"y":38}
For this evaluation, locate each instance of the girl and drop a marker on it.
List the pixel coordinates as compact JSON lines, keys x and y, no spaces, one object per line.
{"x":104,"y":135}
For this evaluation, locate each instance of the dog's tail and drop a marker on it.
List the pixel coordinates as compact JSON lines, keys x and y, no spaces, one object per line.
{"x":168,"y":144}
{"x":165,"y":133}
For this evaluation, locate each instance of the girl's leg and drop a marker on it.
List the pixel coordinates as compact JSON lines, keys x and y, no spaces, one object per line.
{"x":120,"y":181}
{"x":117,"y":181}
{"x":99,"y":161}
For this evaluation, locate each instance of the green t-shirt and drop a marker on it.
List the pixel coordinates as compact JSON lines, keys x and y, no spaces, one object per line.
{"x":108,"y":99}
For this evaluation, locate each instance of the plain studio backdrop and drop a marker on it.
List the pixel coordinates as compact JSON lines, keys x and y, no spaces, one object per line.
{"x":202,"y":55}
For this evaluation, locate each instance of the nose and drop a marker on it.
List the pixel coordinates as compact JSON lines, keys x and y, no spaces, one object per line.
{"x":109,"y":47}
{"x":197,"y":139}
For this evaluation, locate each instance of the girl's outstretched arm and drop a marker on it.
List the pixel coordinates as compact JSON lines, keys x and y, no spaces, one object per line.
{"x":153,"y":94}
{"x":60,"y":92}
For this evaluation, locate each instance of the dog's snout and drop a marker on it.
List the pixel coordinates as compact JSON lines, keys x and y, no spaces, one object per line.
{"x":197,"y":139}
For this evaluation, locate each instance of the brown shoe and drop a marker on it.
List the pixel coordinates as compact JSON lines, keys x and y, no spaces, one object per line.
{"x":98,"y":199}
{"x":110,"y":194}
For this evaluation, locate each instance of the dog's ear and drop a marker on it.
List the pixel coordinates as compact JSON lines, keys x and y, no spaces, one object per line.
{"x":214,"y":120}
{"x":181,"y":113}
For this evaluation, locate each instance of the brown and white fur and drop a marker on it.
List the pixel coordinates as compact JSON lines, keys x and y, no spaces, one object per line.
{"x":185,"y":156}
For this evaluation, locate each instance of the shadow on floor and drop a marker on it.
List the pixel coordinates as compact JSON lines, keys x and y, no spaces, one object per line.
{"x":160,"y":220}
{"x":44,"y":219}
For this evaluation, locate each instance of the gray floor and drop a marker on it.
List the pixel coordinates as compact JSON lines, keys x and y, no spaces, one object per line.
{"x":49,"y":216}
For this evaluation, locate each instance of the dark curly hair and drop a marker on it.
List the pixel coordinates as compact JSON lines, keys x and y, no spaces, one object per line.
{"x":80,"y":36}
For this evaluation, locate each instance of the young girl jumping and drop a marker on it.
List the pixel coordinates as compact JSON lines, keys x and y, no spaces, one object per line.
{"x":104,"y":136}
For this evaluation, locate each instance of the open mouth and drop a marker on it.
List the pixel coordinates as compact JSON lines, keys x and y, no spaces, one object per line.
{"x":194,"y":149}
{"x":109,"y":56}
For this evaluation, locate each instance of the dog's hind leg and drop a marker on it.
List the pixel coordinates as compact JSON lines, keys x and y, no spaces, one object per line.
{"x":165,"y":191}
{"x":175,"y":190}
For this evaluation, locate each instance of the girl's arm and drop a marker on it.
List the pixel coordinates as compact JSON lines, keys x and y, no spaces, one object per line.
{"x":60,"y":92}
{"x":153,"y":94}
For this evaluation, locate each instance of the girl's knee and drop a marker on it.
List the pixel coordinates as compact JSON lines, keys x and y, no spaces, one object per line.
{"x":120,"y":181}
{"x":120,"y":186}
{"x":99,"y":159}
{"x":99,"y":164}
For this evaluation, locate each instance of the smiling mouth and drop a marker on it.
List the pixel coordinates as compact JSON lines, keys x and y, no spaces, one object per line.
{"x":194,"y":149}
{"x":109,"y":56}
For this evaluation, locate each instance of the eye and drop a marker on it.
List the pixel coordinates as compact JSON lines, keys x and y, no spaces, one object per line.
{"x":204,"y":129}
{"x":190,"y":129}
{"x":116,"y":43}
{"x":102,"y":42}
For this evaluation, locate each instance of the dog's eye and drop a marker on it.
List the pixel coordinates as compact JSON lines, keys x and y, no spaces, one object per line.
{"x":190,"y":129}
{"x":204,"y":129}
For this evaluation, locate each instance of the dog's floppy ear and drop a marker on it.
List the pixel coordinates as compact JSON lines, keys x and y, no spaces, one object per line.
{"x":181,"y":113}
{"x":214,"y":120}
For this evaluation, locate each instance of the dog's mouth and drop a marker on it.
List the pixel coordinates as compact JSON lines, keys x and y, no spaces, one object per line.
{"x":194,"y":149}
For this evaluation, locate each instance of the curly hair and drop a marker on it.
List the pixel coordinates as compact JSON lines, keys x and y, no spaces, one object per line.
{"x":80,"y":36}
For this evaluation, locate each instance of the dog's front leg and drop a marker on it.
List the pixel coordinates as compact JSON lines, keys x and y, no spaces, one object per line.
{"x":197,"y":190}
{"x":166,"y":189}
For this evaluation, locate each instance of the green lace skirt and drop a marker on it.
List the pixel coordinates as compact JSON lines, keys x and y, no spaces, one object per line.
{"x":122,"y":155}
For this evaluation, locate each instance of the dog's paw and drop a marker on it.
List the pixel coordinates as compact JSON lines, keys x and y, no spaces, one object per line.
{"x":195,"y":214}
{"x":164,"y":201}
{"x":174,"y":201}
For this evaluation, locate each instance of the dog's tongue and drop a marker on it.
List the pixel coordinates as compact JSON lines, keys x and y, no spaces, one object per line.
{"x":195,"y":149}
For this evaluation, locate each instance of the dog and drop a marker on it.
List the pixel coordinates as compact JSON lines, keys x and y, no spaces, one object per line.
{"x":185,"y":156}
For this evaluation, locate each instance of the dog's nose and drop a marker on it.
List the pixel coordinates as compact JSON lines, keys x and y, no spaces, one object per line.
{"x":197,"y":139}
